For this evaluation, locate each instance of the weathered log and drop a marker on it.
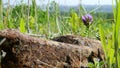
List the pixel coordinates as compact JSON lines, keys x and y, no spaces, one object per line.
{"x":95,"y":45}
{"x":24,"y":51}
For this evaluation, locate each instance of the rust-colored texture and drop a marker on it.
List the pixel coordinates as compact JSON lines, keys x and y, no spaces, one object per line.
{"x":24,"y":51}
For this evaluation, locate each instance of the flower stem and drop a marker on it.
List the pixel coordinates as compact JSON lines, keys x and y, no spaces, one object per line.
{"x":87,"y":31}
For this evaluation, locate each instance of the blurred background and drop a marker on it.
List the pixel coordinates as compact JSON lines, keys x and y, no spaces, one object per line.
{"x":51,"y":18}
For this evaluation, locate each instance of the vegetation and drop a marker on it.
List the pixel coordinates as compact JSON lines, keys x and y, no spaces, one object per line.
{"x":50,"y":22}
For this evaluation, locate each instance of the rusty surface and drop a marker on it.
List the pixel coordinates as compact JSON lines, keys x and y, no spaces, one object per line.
{"x":24,"y":51}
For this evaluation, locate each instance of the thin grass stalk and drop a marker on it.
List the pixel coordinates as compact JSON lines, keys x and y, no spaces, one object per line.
{"x":22,"y":10}
{"x":7,"y":15}
{"x":28,"y":28}
{"x":1,"y":12}
{"x":79,"y":13}
{"x":63,"y":24}
{"x":88,"y":31}
{"x":35,"y":16}
{"x":116,"y":49}
{"x":57,"y":14}
{"x":116,"y":33}
{"x":48,"y":17}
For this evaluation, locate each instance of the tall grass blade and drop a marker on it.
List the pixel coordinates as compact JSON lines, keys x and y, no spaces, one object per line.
{"x":116,"y":31}
{"x":1,"y":12}
{"x":48,"y":17}
{"x":102,"y":38}
{"x":35,"y":14}
{"x":1,"y":15}
{"x":28,"y":14}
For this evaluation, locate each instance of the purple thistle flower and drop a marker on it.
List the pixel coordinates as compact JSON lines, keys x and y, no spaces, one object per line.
{"x":87,"y":19}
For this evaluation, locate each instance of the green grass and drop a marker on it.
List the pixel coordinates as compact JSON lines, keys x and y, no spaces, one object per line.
{"x":111,"y":45}
{"x":32,"y":19}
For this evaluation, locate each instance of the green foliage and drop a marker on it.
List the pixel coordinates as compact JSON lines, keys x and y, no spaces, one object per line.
{"x":22,"y":25}
{"x":60,"y":22}
{"x":1,"y":26}
{"x":74,"y":22}
{"x":96,"y":64}
{"x":116,"y":33}
{"x":112,"y":44}
{"x":107,"y":44}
